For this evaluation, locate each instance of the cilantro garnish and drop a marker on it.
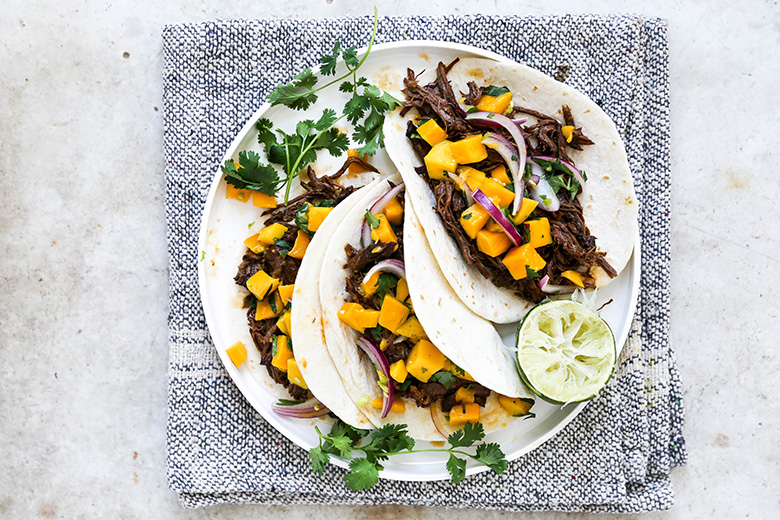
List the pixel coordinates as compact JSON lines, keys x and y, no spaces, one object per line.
{"x":302,"y":219}
{"x":250,"y":174}
{"x":559,"y":176}
{"x":373,"y":222}
{"x":393,"y":439}
{"x":444,"y":378}
{"x":288,"y":402}
{"x":492,"y":90}
{"x":385,"y":284}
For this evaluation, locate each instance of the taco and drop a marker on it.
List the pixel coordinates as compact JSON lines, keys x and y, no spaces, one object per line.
{"x":521,"y":184}
{"x":279,"y":269}
{"x":395,"y":368}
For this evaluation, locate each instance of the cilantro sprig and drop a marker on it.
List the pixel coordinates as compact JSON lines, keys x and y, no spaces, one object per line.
{"x":365,"y":109}
{"x":392,"y":439}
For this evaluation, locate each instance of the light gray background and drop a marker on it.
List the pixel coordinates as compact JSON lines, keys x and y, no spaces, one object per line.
{"x":83,"y":300}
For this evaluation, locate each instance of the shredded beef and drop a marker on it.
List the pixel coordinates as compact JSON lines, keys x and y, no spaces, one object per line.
{"x":426,"y":393}
{"x":397,"y":351}
{"x":357,"y":259}
{"x":475,"y":92}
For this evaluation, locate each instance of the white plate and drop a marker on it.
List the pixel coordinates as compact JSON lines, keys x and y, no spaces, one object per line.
{"x":225,"y":225}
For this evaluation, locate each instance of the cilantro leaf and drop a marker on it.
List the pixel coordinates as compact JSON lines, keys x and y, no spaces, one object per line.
{"x":491,"y":456}
{"x":319,"y":459}
{"x":365,"y":474}
{"x":302,"y":219}
{"x":288,"y":402}
{"x":388,"y":438}
{"x":350,"y":57}
{"x":456,"y":467}
{"x":385,"y":284}
{"x":444,"y":378}
{"x":298,"y":93}
{"x":372,"y":221}
{"x":466,"y":436}
{"x":492,"y":90}
{"x":328,"y":61}
{"x":250,"y":174}
{"x":265,"y":133}
{"x":343,"y":445}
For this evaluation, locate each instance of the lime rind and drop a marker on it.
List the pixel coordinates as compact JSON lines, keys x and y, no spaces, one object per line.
{"x":565,"y":351}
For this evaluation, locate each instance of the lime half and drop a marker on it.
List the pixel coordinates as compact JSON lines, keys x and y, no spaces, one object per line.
{"x":565,"y":351}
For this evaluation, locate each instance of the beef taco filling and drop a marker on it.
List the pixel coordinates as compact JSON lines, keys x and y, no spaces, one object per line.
{"x":408,"y":364}
{"x":269,"y":268}
{"x":505,"y":186}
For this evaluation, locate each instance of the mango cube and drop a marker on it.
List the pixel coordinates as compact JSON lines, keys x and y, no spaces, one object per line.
{"x":254,"y":244}
{"x":270,"y":307}
{"x":424,"y":360}
{"x":286,"y":292}
{"x":394,"y":212}
{"x":440,"y":160}
{"x":473,"y":219}
{"x":469,"y":150}
{"x":497,"y":192}
{"x":316,"y":216}
{"x":493,"y":244}
{"x":234,"y":193}
{"x":301,"y":244}
{"x":402,"y":290}
{"x":261,"y":284}
{"x":354,"y":167}
{"x":263,"y":200}
{"x":412,"y":329}
{"x":431,"y":132}
{"x":369,"y":287}
{"x":499,"y":173}
{"x":526,"y":208}
{"x":519,"y":259}
{"x":237,"y":353}
{"x":471,"y":176}
{"x":284,"y":322}
{"x":392,"y":314}
{"x":574,"y":277}
{"x":398,"y":371}
{"x":460,"y":414}
{"x":539,"y":232}
{"x":269,"y":234}
{"x":497,"y":104}
{"x":464,"y":395}
{"x":515,"y":406}
{"x":358,"y":317}
{"x":282,"y":353}
{"x":294,"y":374}
{"x":383,"y":232}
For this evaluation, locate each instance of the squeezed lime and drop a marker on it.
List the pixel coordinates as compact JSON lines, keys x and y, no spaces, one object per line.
{"x":565,"y":351}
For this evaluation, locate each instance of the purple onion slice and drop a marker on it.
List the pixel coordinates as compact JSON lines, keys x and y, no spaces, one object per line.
{"x":515,"y":162}
{"x":548,"y":288}
{"x":493,"y":210}
{"x":380,"y":362}
{"x":304,"y":410}
{"x":436,"y":418}
{"x":391,"y":266}
{"x":543,"y":192}
{"x":463,"y":185}
{"x":573,"y":169}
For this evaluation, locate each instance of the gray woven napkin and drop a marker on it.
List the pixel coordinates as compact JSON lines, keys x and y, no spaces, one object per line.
{"x":614,"y":457}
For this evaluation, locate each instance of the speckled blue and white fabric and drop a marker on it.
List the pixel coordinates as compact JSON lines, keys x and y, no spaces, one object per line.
{"x":614,"y":457}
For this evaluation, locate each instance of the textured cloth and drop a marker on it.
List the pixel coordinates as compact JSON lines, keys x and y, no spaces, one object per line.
{"x":614,"y":457}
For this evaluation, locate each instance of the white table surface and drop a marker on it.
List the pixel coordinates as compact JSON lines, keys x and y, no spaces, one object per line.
{"x":83,"y":301}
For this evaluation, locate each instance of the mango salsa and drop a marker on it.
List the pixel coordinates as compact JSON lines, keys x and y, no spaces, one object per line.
{"x":424,"y":360}
{"x":440,"y":160}
{"x":358,"y":317}
{"x":515,"y":406}
{"x":494,"y":104}
{"x":234,"y":193}
{"x":398,"y":405}
{"x":469,"y":150}
{"x":499,"y":173}
{"x":474,"y":219}
{"x":398,"y":371}
{"x":394,"y":212}
{"x":392,"y":314}
{"x":263,"y":200}
{"x":520,"y":258}
{"x":460,"y":414}
{"x":402,"y":290}
{"x":574,"y":277}
{"x":261,"y":284}
{"x":271,"y":307}
{"x":539,"y":232}
{"x":268,"y":234}
{"x":526,"y":208}
{"x":431,"y":132}
{"x":286,"y":292}
{"x":294,"y":374}
{"x":237,"y":353}
{"x":471,"y":176}
{"x":282,"y":353}
{"x":316,"y":216}
{"x":383,"y":232}
{"x":412,"y":329}
{"x":284,"y":322}
{"x":301,"y":244}
{"x":464,"y":395}
{"x":496,"y":191}
{"x":493,"y":244}
{"x":254,"y":244}
{"x":371,"y":285}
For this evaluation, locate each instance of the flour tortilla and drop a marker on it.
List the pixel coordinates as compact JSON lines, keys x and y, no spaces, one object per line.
{"x":357,"y":372}
{"x":609,"y":203}
{"x":308,"y":337}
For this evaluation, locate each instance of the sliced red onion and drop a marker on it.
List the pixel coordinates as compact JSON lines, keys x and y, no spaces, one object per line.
{"x":378,"y":207}
{"x":491,"y":119}
{"x":506,"y":225}
{"x":380,"y":362}
{"x":436,"y":418}
{"x":548,"y":288}
{"x":305,"y":410}
{"x":391,"y":266}
{"x":574,"y":171}
{"x":463,"y":185}
{"x":515,"y":162}
{"x":543,"y":192}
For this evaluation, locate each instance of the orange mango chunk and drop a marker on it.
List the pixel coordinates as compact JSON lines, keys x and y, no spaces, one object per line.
{"x":383,"y":232}
{"x":354,"y":167}
{"x":464,"y":395}
{"x":473,"y":219}
{"x":515,"y":406}
{"x":237,"y":353}
{"x":499,"y":173}
{"x":271,"y":307}
{"x":234,"y":193}
{"x":539,"y":232}
{"x":424,"y":360}
{"x":282,"y":353}
{"x":394,"y":212}
{"x":263,"y":200}
{"x":254,"y":244}
{"x":493,"y":243}
{"x":301,"y":244}
{"x":359,"y":318}
{"x":494,"y":103}
{"x":371,"y":285}
{"x":316,"y":216}
{"x":526,"y":208}
{"x":412,"y":329}
{"x":469,"y":150}
{"x":440,"y":160}
{"x":398,"y":371}
{"x":431,"y":132}
{"x":574,"y":277}
{"x":520,"y":258}
{"x":294,"y":374}
{"x":460,"y":414}
{"x":402,"y":290}
{"x":269,"y":234}
{"x":497,"y":192}
{"x":393,"y":313}
{"x":261,"y":284}
{"x":286,"y":292}
{"x":471,"y":176}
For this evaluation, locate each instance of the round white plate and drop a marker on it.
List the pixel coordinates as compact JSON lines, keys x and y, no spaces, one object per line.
{"x":225,"y":226}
